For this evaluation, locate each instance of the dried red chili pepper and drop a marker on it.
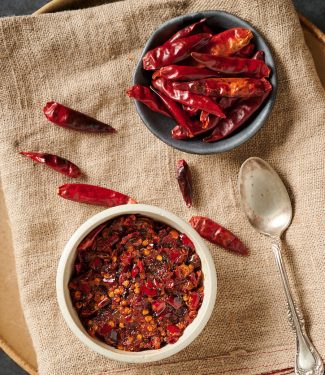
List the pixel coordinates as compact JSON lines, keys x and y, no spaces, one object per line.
{"x":184,"y":178}
{"x":204,"y":116}
{"x":183,"y":73}
{"x":69,"y":118}
{"x":203,"y":127}
{"x":229,"y":42}
{"x":230,"y":87}
{"x":187,"y":30}
{"x":187,"y":98}
{"x":259,"y":55}
{"x":172,"y":52}
{"x":55,"y":162}
{"x":233,"y":65}
{"x":215,"y":233}
{"x":180,"y":133}
{"x":146,"y":96}
{"x":179,"y":115}
{"x":246,"y":51}
{"x":238,"y":115}
{"x":92,"y":194}
{"x":206,"y":29}
{"x":192,"y":111}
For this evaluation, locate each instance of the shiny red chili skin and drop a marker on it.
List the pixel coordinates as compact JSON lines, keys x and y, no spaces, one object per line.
{"x":226,"y":87}
{"x":184,"y":73}
{"x":69,"y":118}
{"x":215,"y":233}
{"x":184,"y":179}
{"x":187,"y":30}
{"x":187,"y":98}
{"x":95,"y":195}
{"x":55,"y":162}
{"x":192,"y":111}
{"x":233,"y":65}
{"x":179,"y":115}
{"x":144,"y":95}
{"x":203,"y":127}
{"x":229,"y":42}
{"x":259,"y":55}
{"x":246,"y":51}
{"x":238,"y":115}
{"x":172,"y":52}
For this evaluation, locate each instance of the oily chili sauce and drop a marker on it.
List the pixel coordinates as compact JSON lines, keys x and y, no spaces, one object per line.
{"x":137,"y":283}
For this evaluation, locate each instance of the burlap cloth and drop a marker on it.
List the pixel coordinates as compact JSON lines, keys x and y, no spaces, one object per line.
{"x":85,"y":59}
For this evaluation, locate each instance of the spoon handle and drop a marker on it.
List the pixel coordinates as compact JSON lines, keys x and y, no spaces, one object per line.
{"x":308,"y":361}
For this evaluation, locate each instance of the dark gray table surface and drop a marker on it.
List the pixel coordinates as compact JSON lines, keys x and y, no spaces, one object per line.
{"x":314,"y":10}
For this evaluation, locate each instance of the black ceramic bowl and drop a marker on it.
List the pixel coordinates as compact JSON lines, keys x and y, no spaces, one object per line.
{"x":161,"y":126}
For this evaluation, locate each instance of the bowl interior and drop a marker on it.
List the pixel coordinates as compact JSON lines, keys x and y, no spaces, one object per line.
{"x":161,"y":126}
{"x":66,"y":266}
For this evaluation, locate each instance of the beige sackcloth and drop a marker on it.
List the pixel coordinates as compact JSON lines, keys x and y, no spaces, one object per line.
{"x":85,"y":59}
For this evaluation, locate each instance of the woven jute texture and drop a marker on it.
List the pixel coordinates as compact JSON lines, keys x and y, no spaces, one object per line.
{"x":85,"y":59}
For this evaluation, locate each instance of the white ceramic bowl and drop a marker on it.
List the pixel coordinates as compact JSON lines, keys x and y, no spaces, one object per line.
{"x":66,"y":265}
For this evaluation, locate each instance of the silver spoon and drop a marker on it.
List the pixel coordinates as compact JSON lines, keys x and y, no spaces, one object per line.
{"x":267,"y":205}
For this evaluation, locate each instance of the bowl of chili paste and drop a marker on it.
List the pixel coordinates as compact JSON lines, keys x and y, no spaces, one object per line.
{"x":136,"y":283}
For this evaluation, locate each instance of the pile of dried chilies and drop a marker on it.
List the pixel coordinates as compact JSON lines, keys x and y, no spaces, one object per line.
{"x":210,"y":84}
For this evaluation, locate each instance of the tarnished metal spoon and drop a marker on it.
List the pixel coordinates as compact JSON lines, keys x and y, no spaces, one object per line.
{"x":267,"y":205}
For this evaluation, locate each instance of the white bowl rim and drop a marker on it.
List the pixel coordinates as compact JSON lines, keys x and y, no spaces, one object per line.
{"x":193,"y":329}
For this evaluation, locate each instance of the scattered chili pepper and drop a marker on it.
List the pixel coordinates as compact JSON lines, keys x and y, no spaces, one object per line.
{"x":229,"y":42}
{"x":183,"y":73}
{"x":137,"y":283}
{"x":187,"y":30}
{"x":92,"y":194}
{"x":71,"y":119}
{"x":246,"y":51}
{"x":144,"y":95}
{"x":230,"y":87}
{"x":215,"y":233}
{"x":172,"y":52}
{"x":233,"y":65}
{"x":237,"y":117}
{"x":55,"y":162}
{"x":179,"y":115}
{"x":184,"y":178}
{"x":187,"y":98}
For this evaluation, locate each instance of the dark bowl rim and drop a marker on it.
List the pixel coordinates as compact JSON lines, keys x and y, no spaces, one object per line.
{"x":233,"y":141}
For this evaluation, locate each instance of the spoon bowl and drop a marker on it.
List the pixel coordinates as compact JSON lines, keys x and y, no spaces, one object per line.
{"x":265,"y":199}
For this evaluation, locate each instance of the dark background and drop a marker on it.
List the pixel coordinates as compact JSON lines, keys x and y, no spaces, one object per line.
{"x":314,"y":10}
